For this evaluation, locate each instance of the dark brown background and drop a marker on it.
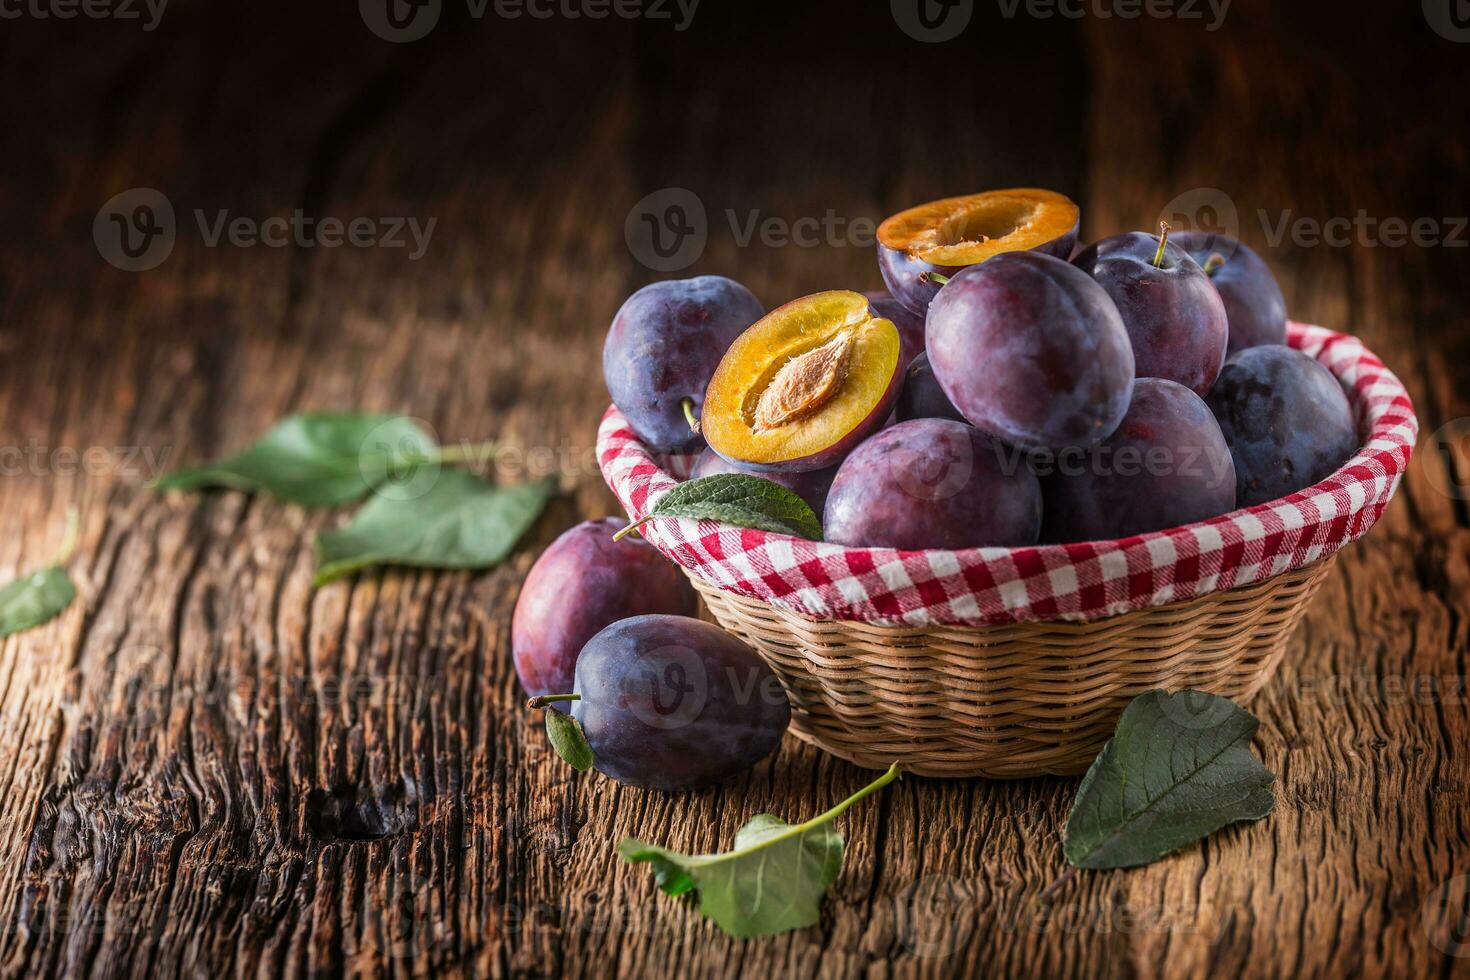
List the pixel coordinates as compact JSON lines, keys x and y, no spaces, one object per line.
{"x":208,"y":767}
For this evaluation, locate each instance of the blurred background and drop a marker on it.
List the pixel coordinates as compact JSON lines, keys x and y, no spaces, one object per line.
{"x":216,"y":213}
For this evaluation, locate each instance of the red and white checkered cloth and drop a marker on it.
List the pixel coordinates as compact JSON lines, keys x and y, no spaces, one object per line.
{"x":1049,"y":582}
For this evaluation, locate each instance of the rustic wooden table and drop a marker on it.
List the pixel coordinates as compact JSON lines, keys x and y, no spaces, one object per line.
{"x":207,"y":766}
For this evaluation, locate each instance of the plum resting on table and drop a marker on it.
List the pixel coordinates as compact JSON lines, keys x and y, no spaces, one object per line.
{"x":1174,"y":315}
{"x":1286,"y":419}
{"x":933,"y":483}
{"x":662,"y":348}
{"x":581,"y":583}
{"x":1253,"y":301}
{"x":673,"y":703}
{"x":810,"y":486}
{"x":922,"y":396}
{"x":1031,"y":350}
{"x":1167,"y":464}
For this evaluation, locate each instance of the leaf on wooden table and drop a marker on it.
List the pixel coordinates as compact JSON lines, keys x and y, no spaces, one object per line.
{"x":42,"y":595}
{"x":1178,"y":768}
{"x":318,"y":459}
{"x":772,"y":880}
{"x":461,"y":521}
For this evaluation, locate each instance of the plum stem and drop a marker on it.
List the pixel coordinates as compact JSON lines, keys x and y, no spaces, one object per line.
{"x":1213,"y":264}
{"x":1163,"y":240}
{"x":935,"y":277}
{"x":462,"y":453}
{"x":542,"y":700}
{"x":629,"y":529}
{"x":688,"y":406}
{"x":68,"y":537}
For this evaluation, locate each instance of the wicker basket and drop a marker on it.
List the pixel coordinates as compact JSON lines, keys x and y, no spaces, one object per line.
{"x":1024,"y":699}
{"x":1017,"y":662}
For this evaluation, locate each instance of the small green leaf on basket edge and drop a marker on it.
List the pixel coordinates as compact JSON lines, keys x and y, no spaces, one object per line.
{"x":568,"y":739}
{"x":1178,"y":768}
{"x":774,"y":878}
{"x":740,"y":500}
{"x":461,"y":521}
{"x":42,"y":595}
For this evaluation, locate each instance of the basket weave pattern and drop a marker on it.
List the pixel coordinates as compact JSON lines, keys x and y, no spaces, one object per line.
{"x":1011,"y":662}
{"x":1023,"y":699}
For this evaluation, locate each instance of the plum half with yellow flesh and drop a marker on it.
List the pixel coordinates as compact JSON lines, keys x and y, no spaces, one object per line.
{"x":804,"y":385}
{"x":942,"y":237}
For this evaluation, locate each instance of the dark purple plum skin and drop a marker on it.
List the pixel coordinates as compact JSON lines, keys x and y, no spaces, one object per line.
{"x":1286,"y":419}
{"x":1253,"y":301}
{"x":811,"y":485}
{"x":1167,"y":464}
{"x":910,"y":325}
{"x":933,"y":483}
{"x":922,"y":396}
{"x":901,"y":271}
{"x":1174,"y":315}
{"x":663,"y":347}
{"x":582,"y":582}
{"x":1031,"y":350}
{"x":673,"y":703}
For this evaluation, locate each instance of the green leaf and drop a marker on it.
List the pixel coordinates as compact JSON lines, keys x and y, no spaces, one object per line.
{"x":774,"y":878}
{"x":569,"y":740}
{"x":741,"y":500}
{"x":40,"y":596}
{"x":318,"y":459}
{"x":35,"y":599}
{"x":460,"y":521}
{"x":1178,"y":768}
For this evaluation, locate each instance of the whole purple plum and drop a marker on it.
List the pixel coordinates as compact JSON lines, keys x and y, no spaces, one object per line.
{"x":910,"y":324}
{"x":662,"y":348}
{"x":811,"y":486}
{"x":922,"y":396}
{"x":1031,"y":350}
{"x":933,"y":483}
{"x":1174,"y":316}
{"x":1253,"y":301}
{"x":1286,"y":419}
{"x":1167,"y":464}
{"x":581,"y":583}
{"x":673,"y":703}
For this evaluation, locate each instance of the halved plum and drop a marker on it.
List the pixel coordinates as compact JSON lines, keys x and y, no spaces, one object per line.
{"x":805,"y":384}
{"x":950,"y":234}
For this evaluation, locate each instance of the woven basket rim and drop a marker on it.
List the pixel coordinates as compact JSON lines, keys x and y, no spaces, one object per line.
{"x":1358,"y":491}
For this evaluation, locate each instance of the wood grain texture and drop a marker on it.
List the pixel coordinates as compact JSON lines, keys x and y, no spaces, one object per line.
{"x":208,"y":767}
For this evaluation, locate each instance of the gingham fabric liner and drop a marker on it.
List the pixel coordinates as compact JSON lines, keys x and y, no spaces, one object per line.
{"x":980,"y":586}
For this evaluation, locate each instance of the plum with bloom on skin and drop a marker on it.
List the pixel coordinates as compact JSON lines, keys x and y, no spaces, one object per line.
{"x":1254,"y":305}
{"x":1167,"y":464}
{"x":922,"y":396}
{"x":1031,"y":350}
{"x":673,"y":703}
{"x":663,"y":347}
{"x":933,"y":483}
{"x":1174,"y":315}
{"x":1287,"y":420}
{"x":582,"y":582}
